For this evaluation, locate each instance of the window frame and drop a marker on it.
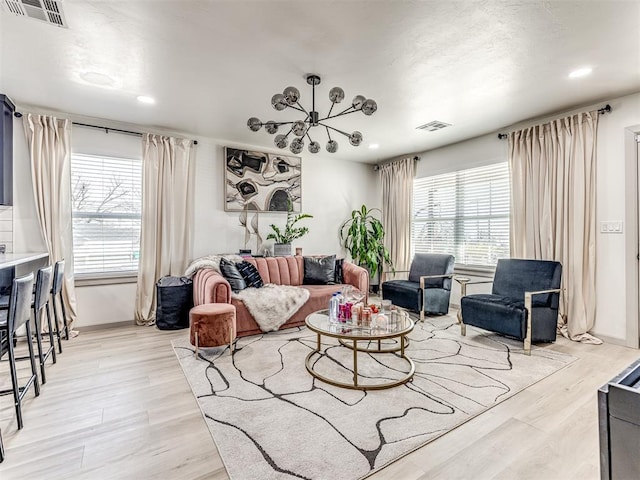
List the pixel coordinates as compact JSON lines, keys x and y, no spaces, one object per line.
{"x":481,"y":270}
{"x":114,"y":276}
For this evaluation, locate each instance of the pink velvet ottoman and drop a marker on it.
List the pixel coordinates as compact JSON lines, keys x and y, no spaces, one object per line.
{"x":212,"y":325}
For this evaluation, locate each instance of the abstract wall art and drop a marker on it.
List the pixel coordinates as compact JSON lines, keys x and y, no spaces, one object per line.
{"x":264,"y":182}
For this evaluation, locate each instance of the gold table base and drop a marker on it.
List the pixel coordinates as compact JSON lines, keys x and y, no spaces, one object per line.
{"x":373,"y":349}
{"x":354,"y":347}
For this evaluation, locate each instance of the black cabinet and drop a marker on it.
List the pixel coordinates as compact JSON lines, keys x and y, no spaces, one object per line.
{"x":6,"y":150}
{"x":619,"y":422}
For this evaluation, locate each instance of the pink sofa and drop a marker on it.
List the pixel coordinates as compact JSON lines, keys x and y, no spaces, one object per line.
{"x":211,"y":287}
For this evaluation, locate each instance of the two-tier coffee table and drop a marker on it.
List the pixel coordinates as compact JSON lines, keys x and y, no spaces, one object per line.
{"x":349,"y":336}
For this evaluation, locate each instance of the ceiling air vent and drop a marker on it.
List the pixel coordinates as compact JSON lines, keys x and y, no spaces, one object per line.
{"x":433,"y":126}
{"x":49,"y":11}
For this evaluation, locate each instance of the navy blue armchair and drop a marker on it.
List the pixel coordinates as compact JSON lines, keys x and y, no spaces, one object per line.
{"x":428,"y":288}
{"x":523,"y":303}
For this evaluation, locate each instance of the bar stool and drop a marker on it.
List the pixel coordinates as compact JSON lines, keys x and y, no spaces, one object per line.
{"x":44,"y":280}
{"x":11,"y":320}
{"x":56,"y":292}
{"x":40,"y":302}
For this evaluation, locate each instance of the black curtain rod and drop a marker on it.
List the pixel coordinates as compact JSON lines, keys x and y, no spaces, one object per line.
{"x":606,"y":109}
{"x":106,"y":129}
{"x":377,"y":167}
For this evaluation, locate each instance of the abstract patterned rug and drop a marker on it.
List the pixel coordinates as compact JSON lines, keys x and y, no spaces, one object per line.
{"x":272,"y":420}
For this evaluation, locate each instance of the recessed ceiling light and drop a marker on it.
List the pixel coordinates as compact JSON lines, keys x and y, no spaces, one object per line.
{"x":581,"y":72}
{"x":373,"y":146}
{"x":145,"y":99}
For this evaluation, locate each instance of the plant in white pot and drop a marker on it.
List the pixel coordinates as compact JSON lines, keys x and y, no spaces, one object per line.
{"x":290,"y":233}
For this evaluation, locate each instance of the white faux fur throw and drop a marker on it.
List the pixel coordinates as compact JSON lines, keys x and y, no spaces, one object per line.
{"x":272,"y":305}
{"x":210,"y":261}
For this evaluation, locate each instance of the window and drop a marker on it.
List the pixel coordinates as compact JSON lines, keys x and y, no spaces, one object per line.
{"x":464,"y":213}
{"x":107,"y":204}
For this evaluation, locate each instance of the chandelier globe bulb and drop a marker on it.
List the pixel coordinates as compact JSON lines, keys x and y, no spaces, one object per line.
{"x":369,"y":107}
{"x":299,"y":128}
{"x":271,"y":127}
{"x":314,"y":147}
{"x":281,"y":141}
{"x":278,"y":102}
{"x":254,"y":124}
{"x":297,"y":144}
{"x":336,"y":95}
{"x":355,"y":138}
{"x":357,"y":101}
{"x":291,"y":95}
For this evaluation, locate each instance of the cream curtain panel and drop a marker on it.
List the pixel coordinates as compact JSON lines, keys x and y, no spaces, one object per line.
{"x":397,"y":201}
{"x":553,"y":216}
{"x":167,"y":217}
{"x":49,"y":143}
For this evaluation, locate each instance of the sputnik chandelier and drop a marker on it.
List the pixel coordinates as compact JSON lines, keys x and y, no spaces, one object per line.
{"x":290,"y":97}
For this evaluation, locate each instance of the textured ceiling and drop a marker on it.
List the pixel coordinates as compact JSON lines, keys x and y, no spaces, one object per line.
{"x":479,"y":65}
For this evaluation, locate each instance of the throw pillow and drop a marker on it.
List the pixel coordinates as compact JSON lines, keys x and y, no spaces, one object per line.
{"x":319,"y":270}
{"x":232,"y":275}
{"x":250,"y":274}
{"x":339,"y":277}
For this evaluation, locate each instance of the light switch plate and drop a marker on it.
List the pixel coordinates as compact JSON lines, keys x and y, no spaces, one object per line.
{"x":611,"y":227}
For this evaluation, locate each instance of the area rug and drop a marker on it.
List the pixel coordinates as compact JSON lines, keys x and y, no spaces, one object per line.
{"x":272,"y":420}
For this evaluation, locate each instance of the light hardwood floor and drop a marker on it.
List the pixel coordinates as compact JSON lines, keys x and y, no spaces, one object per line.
{"x":117,"y":405}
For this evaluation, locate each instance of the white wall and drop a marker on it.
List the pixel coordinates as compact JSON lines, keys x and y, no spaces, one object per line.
{"x":331,"y":188}
{"x":617,"y":292}
{"x":616,"y":201}
{"x":104,"y":304}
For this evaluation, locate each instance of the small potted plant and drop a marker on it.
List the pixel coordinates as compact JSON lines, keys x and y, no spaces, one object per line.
{"x":290,"y":233}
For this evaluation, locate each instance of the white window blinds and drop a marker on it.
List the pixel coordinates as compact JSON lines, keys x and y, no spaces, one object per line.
{"x":107,"y":203}
{"x":463,"y":213}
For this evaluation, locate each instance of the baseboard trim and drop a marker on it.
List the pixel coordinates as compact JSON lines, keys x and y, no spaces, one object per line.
{"x":612,"y":340}
{"x":105,"y":326}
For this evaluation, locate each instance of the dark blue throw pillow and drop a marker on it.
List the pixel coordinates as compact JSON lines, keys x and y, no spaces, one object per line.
{"x":250,"y":274}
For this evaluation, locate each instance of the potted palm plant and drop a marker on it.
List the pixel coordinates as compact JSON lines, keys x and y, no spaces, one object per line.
{"x":290,"y":233}
{"x":363,"y":236}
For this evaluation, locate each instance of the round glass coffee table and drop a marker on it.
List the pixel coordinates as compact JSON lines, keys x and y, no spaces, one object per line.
{"x":349,"y":335}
